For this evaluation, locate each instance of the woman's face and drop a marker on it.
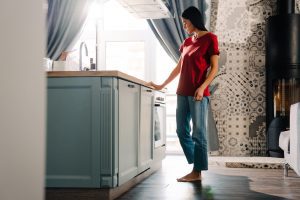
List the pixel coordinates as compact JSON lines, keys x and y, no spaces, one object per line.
{"x":188,"y":26}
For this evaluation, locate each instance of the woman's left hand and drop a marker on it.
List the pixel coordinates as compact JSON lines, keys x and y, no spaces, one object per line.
{"x":198,"y":94}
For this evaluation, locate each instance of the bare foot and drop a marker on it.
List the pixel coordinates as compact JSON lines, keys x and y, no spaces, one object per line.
{"x":193,"y":176}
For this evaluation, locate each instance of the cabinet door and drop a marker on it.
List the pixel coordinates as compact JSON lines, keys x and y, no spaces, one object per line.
{"x":73,"y":138}
{"x":146,"y":127}
{"x":128,"y":130}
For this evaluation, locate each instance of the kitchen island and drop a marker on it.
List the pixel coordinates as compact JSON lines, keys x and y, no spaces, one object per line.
{"x":100,"y":139}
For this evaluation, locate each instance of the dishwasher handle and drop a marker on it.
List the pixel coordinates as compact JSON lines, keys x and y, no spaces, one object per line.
{"x":159,"y":105}
{"x":131,"y":86}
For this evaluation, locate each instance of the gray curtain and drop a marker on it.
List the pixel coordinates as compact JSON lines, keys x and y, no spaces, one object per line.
{"x":169,"y":31}
{"x":65,"y":21}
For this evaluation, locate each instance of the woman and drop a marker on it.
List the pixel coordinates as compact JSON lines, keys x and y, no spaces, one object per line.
{"x":198,"y":53}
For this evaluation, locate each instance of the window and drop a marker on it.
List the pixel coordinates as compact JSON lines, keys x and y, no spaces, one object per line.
{"x":128,"y":57}
{"x":124,"y":42}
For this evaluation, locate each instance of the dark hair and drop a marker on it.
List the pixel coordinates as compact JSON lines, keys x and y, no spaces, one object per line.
{"x":194,"y":15}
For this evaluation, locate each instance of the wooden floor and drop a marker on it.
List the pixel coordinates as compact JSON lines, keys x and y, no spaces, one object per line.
{"x":218,"y":183}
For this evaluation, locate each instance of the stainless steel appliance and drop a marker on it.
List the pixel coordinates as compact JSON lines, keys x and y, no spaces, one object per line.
{"x":159,"y":119}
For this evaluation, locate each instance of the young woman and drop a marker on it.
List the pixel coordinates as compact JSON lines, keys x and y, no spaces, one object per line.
{"x":199,"y":52}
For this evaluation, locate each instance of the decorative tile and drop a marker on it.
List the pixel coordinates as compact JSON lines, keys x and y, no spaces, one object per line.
{"x":247,"y":162}
{"x":260,"y":10}
{"x":256,"y":39}
{"x":239,"y":103}
{"x":238,"y":126}
{"x":254,"y":165}
{"x":257,"y":62}
{"x":219,"y":103}
{"x":236,"y":27}
{"x":237,"y":60}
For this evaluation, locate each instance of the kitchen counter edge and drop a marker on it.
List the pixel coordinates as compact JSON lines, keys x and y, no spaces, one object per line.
{"x":104,"y":73}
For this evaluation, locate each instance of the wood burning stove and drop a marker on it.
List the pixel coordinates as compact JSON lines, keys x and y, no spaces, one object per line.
{"x":282,"y":71}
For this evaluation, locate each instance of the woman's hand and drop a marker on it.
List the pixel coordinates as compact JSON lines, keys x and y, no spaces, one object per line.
{"x":157,"y":87}
{"x":171,"y":77}
{"x":198,"y":96}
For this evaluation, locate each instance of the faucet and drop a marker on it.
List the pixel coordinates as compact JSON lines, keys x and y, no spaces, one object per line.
{"x":80,"y":54}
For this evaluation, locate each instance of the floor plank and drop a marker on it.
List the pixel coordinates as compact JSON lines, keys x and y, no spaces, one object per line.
{"x":218,"y":182}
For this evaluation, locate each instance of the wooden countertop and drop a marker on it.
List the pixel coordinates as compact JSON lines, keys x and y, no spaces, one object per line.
{"x":105,"y":73}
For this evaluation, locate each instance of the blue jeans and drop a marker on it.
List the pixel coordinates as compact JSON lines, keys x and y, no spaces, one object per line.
{"x":194,"y":146}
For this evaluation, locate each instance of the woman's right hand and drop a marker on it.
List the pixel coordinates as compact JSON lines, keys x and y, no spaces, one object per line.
{"x":157,"y":87}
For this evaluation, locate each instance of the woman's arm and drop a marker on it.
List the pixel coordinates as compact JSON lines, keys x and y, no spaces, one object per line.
{"x":213,"y":72}
{"x":171,"y":77}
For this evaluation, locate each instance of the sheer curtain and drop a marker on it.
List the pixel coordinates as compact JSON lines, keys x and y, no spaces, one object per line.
{"x":65,"y":21}
{"x":170,"y":32}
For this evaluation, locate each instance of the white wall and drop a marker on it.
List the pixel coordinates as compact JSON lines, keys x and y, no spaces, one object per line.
{"x":22,"y":100}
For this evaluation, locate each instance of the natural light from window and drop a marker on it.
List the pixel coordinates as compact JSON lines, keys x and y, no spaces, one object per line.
{"x":117,"y":18}
{"x":120,"y":54}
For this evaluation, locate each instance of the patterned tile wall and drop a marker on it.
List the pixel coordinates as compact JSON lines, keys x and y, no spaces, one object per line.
{"x":239,"y":103}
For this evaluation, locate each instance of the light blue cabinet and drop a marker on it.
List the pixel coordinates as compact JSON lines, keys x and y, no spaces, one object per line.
{"x":73,"y":139}
{"x":99,"y":131}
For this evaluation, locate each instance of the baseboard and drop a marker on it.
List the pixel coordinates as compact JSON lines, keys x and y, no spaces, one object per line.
{"x":97,"y":193}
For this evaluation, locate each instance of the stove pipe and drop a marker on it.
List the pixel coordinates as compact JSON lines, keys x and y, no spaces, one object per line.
{"x":285,"y":7}
{"x":282,"y":70}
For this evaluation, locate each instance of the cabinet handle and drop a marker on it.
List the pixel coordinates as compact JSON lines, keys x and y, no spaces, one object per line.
{"x":130,"y":86}
{"x":148,"y":90}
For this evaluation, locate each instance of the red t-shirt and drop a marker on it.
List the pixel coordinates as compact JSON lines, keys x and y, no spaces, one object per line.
{"x":195,"y":55}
